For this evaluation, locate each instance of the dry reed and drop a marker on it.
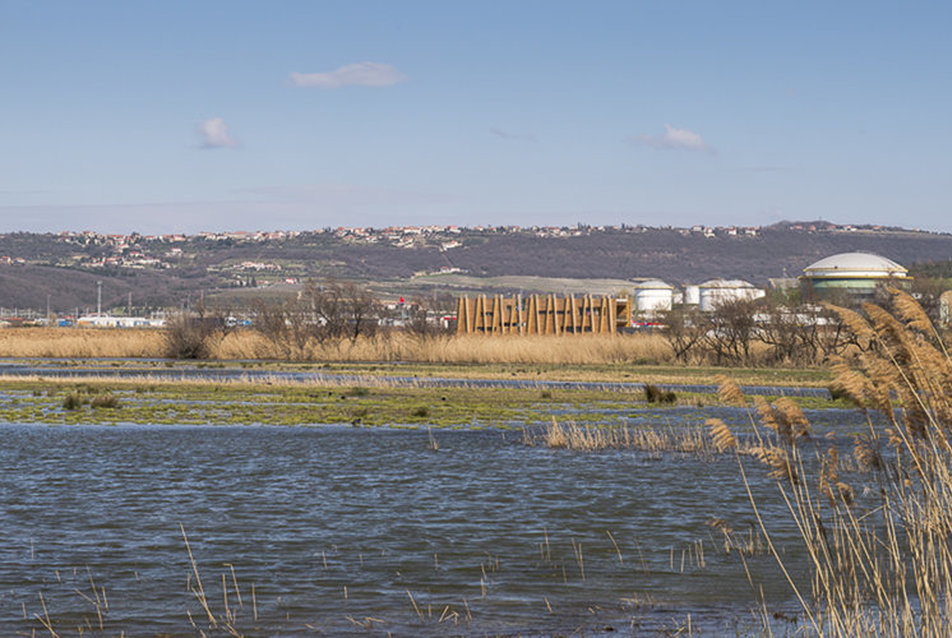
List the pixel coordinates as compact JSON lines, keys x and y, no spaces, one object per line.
{"x":578,"y":349}
{"x":593,"y":438}
{"x":247,"y":344}
{"x":80,"y":343}
{"x":880,"y":565}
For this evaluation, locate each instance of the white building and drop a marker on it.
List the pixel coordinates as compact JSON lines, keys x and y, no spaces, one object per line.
{"x":105,"y":321}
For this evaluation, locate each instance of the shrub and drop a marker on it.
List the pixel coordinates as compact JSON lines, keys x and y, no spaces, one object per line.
{"x":654,"y":394}
{"x":192,"y":336}
{"x":72,"y":401}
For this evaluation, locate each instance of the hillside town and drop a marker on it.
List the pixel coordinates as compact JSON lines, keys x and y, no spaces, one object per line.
{"x":117,"y":250}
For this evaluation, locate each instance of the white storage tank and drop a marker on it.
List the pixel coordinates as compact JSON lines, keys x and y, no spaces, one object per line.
{"x":653,"y":296}
{"x":716,"y":292}
{"x":692,"y":294}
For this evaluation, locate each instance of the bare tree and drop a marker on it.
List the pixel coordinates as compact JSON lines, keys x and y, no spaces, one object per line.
{"x":193,"y":335}
{"x":362,"y":311}
{"x":684,"y":329}
{"x":288,"y":325}
{"x":323,"y":314}
{"x":731,"y":330}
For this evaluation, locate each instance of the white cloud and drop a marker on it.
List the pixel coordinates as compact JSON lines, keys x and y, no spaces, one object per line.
{"x":679,"y":139}
{"x":359,"y":74}
{"x":214,"y":134}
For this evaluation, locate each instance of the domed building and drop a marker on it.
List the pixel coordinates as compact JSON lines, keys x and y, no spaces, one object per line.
{"x":854,"y":274}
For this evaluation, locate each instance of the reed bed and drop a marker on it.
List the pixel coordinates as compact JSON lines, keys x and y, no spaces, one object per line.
{"x":880,"y":563}
{"x":71,"y":343}
{"x":397,"y":346}
{"x":594,"y":438}
{"x":579,"y":349}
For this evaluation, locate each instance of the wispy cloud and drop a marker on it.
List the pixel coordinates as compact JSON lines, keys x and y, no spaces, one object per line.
{"x":359,"y":74}
{"x":214,"y":134}
{"x":506,"y":135}
{"x":677,"y":139}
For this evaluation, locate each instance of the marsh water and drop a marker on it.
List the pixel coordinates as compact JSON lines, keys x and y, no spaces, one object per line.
{"x":111,"y":368}
{"x":337,"y":530}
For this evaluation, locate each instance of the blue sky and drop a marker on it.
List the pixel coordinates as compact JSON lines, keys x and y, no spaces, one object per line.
{"x":187,"y":116}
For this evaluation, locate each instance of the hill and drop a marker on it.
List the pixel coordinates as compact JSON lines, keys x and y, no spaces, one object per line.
{"x":174,"y":270}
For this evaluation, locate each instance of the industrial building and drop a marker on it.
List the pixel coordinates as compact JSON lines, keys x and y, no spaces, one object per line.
{"x":854,"y":274}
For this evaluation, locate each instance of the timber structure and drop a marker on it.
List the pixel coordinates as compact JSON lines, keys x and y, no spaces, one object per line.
{"x":542,"y":315}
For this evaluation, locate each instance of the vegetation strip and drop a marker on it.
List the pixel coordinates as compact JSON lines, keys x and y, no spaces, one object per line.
{"x":282,"y":402}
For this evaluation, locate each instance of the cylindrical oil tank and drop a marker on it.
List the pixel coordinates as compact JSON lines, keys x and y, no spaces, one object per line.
{"x":715,"y":292}
{"x":653,"y":296}
{"x":692,"y":295}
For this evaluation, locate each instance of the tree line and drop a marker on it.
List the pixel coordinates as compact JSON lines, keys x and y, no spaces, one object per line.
{"x":327,"y":314}
{"x":774,"y":331}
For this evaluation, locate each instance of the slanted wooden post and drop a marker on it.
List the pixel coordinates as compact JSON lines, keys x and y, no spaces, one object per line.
{"x":533,"y":311}
{"x":497,"y":315}
{"x":522,"y":326}
{"x":574,"y":310}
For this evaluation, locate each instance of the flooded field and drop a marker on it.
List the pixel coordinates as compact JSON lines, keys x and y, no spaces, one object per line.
{"x":339,"y":530}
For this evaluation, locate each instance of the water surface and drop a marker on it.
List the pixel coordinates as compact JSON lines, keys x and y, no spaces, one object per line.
{"x":494,"y":536}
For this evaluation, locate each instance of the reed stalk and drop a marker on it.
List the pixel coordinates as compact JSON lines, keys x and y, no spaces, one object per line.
{"x":879,"y":563}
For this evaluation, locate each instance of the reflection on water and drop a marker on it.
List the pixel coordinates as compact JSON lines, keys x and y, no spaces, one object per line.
{"x":340,"y":529}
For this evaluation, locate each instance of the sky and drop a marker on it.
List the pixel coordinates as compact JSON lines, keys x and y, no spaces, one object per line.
{"x":162,"y":117}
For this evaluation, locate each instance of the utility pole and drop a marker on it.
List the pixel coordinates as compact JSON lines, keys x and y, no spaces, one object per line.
{"x":98,"y":298}
{"x":47,"y":310}
{"x":129,"y":305}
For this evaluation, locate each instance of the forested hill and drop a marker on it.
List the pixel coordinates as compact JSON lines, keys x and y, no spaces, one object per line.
{"x":166,"y":270}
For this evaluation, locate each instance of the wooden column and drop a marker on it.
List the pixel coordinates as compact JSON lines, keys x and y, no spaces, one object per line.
{"x":522,"y":326}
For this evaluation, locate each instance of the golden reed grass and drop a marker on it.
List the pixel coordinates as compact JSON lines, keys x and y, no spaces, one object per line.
{"x":880,"y":557}
{"x":247,"y":344}
{"x":593,"y":438}
{"x":580,"y":349}
{"x":72,"y":343}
